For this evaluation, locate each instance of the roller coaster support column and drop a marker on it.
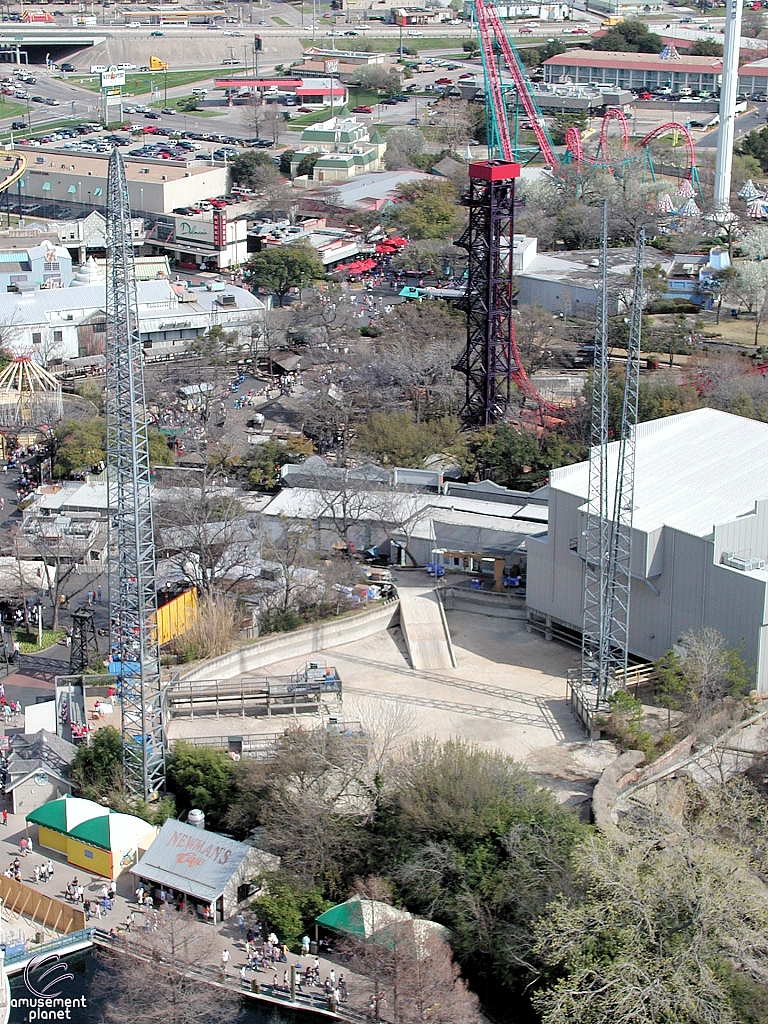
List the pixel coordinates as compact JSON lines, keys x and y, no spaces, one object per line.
{"x":489,"y":360}
{"x":728,"y":93}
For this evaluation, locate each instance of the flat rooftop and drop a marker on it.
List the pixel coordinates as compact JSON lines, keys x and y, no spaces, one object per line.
{"x":693,"y":471}
{"x":96,"y":166}
{"x":582,"y":267}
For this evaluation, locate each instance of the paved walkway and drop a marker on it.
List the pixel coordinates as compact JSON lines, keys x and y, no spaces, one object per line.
{"x":274,"y":982}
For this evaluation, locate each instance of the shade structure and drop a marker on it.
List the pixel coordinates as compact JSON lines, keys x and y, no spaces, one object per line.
{"x":758,"y":209}
{"x":665,"y":204}
{"x":689,"y":209}
{"x":368,"y":920}
{"x":92,"y":837}
{"x":29,"y":395}
{"x":685,"y":190}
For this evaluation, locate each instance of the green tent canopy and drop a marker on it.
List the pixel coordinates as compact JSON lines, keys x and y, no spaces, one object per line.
{"x":373,"y":921}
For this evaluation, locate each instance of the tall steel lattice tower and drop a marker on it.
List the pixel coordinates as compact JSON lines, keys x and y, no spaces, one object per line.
{"x":132,"y":587}
{"x":488,"y":362}
{"x":610,"y":498}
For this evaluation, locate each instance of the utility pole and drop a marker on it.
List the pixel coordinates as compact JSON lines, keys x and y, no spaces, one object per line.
{"x":133,"y":640}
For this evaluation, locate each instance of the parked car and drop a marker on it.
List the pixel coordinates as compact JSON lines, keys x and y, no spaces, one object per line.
{"x":362,"y":109}
{"x":168,"y":110}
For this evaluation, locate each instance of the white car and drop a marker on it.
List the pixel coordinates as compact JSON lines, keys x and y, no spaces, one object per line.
{"x":126,"y":67}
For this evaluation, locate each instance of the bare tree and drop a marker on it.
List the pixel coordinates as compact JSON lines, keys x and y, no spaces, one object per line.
{"x":285,"y":543}
{"x":272,"y":189}
{"x":272,"y":122}
{"x":203,"y":532}
{"x":61,"y":555}
{"x":534,"y":327}
{"x":164,"y":976}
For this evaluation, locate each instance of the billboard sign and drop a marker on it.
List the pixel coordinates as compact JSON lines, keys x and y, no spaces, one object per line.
{"x":111,"y":78}
{"x":194,"y":230}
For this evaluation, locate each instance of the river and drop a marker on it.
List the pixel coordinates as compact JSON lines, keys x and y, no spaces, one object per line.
{"x":89,"y":979}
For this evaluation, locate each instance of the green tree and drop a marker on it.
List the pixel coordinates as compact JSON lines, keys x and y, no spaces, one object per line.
{"x":427,"y":209}
{"x":630,"y":36}
{"x":474,"y":842}
{"x":263,"y":464}
{"x":289,"y":910}
{"x":504,"y":454}
{"x":188,"y":104}
{"x":307,"y":165}
{"x":397,"y":440}
{"x":159,"y":452}
{"x":672,"y":686}
{"x":244,"y":168}
{"x":706,"y":48}
{"x":201,"y":777}
{"x":657,"y":930}
{"x":285,"y":161}
{"x":281,"y":268}
{"x":80,"y":445}
{"x":562,"y":122}
{"x":97,"y":768}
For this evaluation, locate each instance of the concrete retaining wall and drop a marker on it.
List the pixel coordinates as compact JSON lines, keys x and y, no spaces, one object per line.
{"x":297,"y":644}
{"x":498,"y":606}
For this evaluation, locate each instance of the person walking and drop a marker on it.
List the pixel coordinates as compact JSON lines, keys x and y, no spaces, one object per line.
{"x":49,"y":868}
{"x":240,"y":923}
{"x":5,"y":816}
{"x":224,"y":961}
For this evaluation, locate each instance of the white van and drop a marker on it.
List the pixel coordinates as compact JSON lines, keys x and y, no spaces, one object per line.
{"x":199,"y":92}
{"x":97,"y":69}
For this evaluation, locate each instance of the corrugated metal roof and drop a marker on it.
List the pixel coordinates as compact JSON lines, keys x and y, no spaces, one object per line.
{"x":692,"y":472}
{"x":192,"y":860}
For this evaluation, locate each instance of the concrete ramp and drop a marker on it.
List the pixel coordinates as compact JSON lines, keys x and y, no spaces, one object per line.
{"x":425,"y":629}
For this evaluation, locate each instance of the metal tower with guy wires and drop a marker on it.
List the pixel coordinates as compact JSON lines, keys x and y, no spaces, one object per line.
{"x":610,"y":499}
{"x":132,"y":588}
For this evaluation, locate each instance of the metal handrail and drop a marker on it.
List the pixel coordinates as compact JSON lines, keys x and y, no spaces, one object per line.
{"x":63,"y":942}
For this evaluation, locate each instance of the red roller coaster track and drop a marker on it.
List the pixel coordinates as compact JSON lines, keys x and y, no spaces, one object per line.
{"x":614,"y":114}
{"x":489,"y":26}
{"x":672,"y":126}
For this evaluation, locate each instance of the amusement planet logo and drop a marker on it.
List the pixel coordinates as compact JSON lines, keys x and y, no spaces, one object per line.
{"x":44,"y":976}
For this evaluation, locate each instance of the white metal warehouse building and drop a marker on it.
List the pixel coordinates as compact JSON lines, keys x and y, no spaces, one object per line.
{"x":700,"y":537}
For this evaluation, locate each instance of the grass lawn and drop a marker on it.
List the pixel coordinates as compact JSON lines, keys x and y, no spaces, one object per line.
{"x":200,"y":112}
{"x":281,"y":21}
{"x":28,"y":641}
{"x":373,"y":45}
{"x":139,"y":82}
{"x":363,"y":97}
{"x":11,"y":109}
{"x":304,"y":120}
{"x":732,"y":331}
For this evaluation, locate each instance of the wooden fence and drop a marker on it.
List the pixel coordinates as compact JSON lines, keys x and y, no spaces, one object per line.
{"x":20,"y":898}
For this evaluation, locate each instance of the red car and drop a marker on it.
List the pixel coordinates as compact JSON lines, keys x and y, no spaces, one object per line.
{"x":444,"y":81}
{"x":525,"y":31}
{"x":150,"y":129}
{"x":362,"y":109}
{"x":580,"y":32}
